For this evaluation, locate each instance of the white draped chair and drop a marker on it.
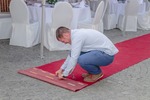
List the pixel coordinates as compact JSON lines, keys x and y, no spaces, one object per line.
{"x":147,"y":2}
{"x":62,"y":15}
{"x":97,"y":22}
{"x":5,"y":25}
{"x":110,"y":16}
{"x":24,"y":32}
{"x":105,"y":7}
{"x":128,"y":21}
{"x":144,"y":19}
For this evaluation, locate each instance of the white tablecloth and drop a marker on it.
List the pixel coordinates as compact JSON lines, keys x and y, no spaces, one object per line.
{"x":79,"y":14}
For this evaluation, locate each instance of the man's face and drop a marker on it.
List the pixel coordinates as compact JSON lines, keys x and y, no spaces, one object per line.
{"x":65,"y":38}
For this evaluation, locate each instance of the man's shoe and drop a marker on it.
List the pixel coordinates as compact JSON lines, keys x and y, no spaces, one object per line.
{"x":85,"y":75}
{"x":93,"y":78}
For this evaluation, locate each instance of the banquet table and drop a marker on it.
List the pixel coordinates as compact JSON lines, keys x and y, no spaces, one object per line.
{"x":79,"y":14}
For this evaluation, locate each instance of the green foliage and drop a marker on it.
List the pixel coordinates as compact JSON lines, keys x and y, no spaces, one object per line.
{"x":51,"y":1}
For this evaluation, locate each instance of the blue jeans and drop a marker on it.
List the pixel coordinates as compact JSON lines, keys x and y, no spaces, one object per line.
{"x":92,"y":61}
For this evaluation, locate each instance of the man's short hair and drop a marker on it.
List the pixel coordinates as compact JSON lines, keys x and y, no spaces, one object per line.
{"x":60,"y":31}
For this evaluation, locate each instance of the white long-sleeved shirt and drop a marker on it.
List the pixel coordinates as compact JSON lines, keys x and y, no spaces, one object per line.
{"x":84,"y":40}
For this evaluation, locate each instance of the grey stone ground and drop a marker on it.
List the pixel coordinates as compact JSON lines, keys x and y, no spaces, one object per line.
{"x":130,"y":84}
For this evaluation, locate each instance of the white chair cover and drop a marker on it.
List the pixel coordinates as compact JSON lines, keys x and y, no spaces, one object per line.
{"x":131,"y":13}
{"x":147,"y":3}
{"x":110,"y":17}
{"x":105,"y":7}
{"x":144,"y":21}
{"x":97,"y":22}
{"x":61,"y":16}
{"x":5,"y":26}
{"x":24,"y":33}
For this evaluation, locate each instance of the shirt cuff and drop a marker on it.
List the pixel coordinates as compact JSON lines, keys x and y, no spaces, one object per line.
{"x":65,"y":74}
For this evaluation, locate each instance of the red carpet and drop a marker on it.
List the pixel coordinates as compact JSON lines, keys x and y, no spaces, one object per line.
{"x":130,"y":52}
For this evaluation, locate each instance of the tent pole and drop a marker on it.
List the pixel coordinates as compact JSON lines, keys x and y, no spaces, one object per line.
{"x":42,"y":28}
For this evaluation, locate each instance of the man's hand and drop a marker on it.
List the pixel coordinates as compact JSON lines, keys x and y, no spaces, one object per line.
{"x":59,"y":74}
